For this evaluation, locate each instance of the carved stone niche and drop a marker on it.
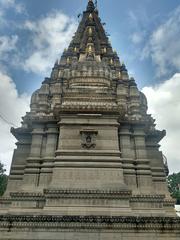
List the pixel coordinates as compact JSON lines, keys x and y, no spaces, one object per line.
{"x":88,"y":138}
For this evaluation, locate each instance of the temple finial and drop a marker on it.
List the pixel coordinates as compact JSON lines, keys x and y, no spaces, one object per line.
{"x":90,"y":6}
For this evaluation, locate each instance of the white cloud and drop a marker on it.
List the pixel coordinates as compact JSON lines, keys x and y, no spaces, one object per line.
{"x":164,"y":105}
{"x":7,"y":44}
{"x":164,"y":45}
{"x":1,"y":13}
{"x":50,"y":35}
{"x":137,"y":38}
{"x":8,"y":51}
{"x":12,"y":107}
{"x":6,"y":4}
{"x":16,"y":6}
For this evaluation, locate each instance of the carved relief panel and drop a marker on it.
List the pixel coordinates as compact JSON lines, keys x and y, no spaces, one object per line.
{"x":88,"y":138}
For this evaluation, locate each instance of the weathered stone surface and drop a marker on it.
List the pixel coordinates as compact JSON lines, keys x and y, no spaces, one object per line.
{"x":87,"y":163}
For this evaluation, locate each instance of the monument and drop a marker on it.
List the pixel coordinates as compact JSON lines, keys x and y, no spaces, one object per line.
{"x":87,"y":163}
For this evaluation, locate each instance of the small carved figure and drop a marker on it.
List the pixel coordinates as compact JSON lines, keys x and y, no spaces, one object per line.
{"x":88,"y":138}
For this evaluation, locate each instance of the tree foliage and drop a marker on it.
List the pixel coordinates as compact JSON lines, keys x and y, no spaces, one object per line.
{"x":3,"y":179}
{"x":174,"y":186}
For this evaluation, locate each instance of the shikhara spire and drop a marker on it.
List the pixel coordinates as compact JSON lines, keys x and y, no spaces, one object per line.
{"x":91,"y":38}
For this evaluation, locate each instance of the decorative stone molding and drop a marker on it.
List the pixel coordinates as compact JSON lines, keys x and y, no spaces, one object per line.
{"x":4,"y":200}
{"x":24,"y":196}
{"x":88,"y":107}
{"x":89,"y":222}
{"x":86,"y":194}
{"x":147,"y":198}
{"x":169,"y":202}
{"x":88,"y":80}
{"x":88,"y":138}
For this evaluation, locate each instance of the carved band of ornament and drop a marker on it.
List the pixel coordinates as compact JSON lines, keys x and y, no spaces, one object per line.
{"x":19,"y":195}
{"x":84,"y":191}
{"x":152,"y":196}
{"x":91,"y":72}
{"x":71,"y":227}
{"x":90,"y":103}
{"x":87,"y":194}
{"x":91,"y":81}
{"x":89,"y":108}
{"x":84,"y":97}
{"x":5,"y":200}
{"x":147,"y":198}
{"x":118,"y":222}
{"x":42,"y":119}
{"x":26,"y":199}
{"x":169,"y":202}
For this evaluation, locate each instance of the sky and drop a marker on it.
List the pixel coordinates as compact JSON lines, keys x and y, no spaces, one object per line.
{"x":145,"y":33}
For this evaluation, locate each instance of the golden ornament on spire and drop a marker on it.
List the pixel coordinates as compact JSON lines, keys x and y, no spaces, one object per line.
{"x":105,"y":50}
{"x":90,"y":16}
{"x":68,"y":60}
{"x":90,"y":49}
{"x":111,"y":61}
{"x":90,"y":31}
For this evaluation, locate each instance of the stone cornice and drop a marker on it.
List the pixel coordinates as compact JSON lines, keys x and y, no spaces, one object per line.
{"x":17,"y":132}
{"x":86,"y":194}
{"x":89,"y":222}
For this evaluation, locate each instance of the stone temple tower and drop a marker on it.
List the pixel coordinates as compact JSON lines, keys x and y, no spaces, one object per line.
{"x":87,"y":163}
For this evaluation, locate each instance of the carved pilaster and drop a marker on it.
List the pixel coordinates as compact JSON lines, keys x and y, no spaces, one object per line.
{"x":51,"y":145}
{"x":125,"y":142}
{"x":37,"y":137}
{"x":48,"y":160}
{"x":19,"y":158}
{"x":128,"y":155}
{"x":157,"y":161}
{"x":31,"y":177}
{"x":143,"y":169}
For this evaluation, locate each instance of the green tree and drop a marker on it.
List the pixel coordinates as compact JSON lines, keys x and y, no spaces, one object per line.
{"x":3,"y":179}
{"x":174,"y":186}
